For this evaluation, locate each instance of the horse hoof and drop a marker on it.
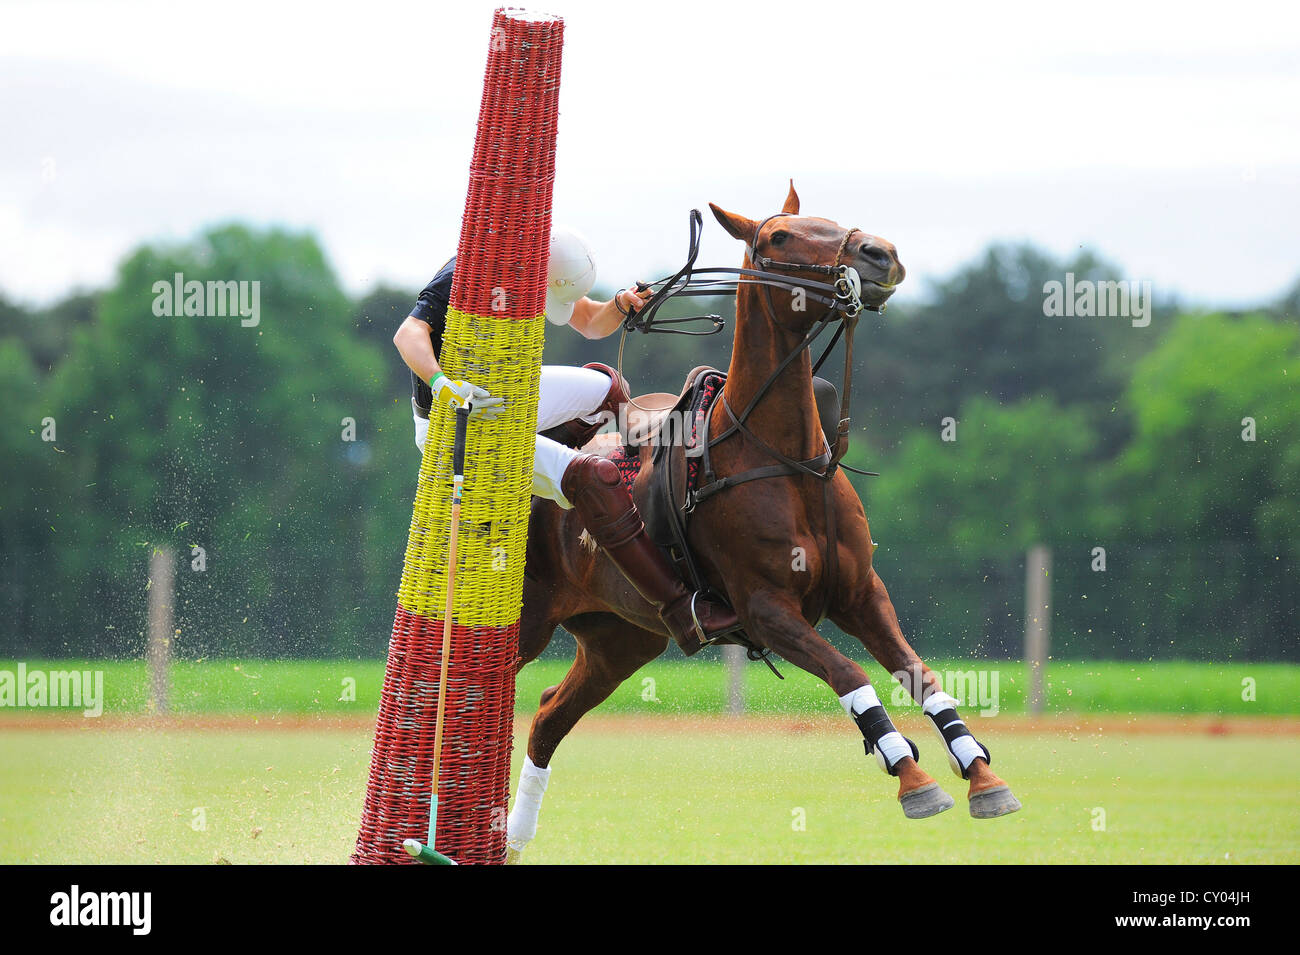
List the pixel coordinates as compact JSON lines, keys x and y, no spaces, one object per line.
{"x":513,"y":855}
{"x":929,"y":800}
{"x":992,"y":803}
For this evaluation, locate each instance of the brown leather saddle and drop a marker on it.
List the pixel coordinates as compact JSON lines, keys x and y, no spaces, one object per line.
{"x":673,"y":432}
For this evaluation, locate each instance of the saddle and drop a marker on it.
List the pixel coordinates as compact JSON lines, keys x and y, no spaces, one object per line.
{"x":673,"y":433}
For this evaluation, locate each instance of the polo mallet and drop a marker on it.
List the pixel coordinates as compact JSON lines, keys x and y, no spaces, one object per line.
{"x":425,"y":852}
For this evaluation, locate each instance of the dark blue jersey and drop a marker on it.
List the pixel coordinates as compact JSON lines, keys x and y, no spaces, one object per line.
{"x":431,"y":308}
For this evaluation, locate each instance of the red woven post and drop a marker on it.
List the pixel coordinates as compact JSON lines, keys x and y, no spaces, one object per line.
{"x":494,"y":338}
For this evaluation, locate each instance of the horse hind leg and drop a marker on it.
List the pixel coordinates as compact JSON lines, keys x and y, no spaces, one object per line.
{"x":873,"y":621}
{"x":609,"y":651}
{"x":540,"y":615}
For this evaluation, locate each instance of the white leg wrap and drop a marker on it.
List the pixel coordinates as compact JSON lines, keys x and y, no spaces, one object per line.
{"x":521,"y":824}
{"x":860,"y":700}
{"x":963,"y":750}
{"x":891,"y":747}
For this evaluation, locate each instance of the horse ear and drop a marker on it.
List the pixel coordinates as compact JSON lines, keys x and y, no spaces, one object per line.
{"x":738,"y":227}
{"x":791,"y":201}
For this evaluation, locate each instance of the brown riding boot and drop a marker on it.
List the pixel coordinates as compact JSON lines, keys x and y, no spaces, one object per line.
{"x":595,"y":487}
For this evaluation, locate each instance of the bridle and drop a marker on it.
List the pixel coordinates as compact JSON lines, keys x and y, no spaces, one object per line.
{"x":843,"y":300}
{"x":847,"y":284}
{"x":845,"y":308}
{"x":841,"y":296}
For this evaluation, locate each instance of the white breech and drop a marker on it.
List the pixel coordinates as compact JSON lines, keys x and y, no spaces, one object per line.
{"x":565,"y":393}
{"x":550,"y":461}
{"x":421,"y":427}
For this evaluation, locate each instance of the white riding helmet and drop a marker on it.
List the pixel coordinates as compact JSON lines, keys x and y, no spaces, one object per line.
{"x":570,"y":273}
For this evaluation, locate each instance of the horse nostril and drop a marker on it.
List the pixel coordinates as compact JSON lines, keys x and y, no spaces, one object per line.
{"x":876,"y":256}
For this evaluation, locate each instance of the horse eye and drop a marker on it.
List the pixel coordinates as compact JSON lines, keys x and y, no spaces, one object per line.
{"x":778,"y":238}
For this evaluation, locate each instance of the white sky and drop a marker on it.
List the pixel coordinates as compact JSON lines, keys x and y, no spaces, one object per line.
{"x":1163,"y":136}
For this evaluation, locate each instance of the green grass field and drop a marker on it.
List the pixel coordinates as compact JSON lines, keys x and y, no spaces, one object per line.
{"x":699,"y":686}
{"x":656,"y":775}
{"x":627,"y":790}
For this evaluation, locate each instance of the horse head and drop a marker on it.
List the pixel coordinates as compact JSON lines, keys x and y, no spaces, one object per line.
{"x":796,"y":246}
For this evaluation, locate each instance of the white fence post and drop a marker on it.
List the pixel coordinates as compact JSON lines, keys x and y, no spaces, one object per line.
{"x":162,"y":599}
{"x":1038,"y":624}
{"x":733,"y":657}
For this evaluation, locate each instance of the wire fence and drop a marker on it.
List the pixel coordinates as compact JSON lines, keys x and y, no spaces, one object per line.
{"x":1221,"y":601}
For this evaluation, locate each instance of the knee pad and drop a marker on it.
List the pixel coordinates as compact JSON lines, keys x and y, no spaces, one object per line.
{"x":595,"y":486}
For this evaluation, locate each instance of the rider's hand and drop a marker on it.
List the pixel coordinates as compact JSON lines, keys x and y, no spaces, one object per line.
{"x":631,"y":298}
{"x":456,"y":394}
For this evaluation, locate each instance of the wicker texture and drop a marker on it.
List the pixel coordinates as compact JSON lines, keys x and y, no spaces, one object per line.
{"x":494,"y":338}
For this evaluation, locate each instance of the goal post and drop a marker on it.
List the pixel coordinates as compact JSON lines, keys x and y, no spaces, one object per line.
{"x":494,"y":334}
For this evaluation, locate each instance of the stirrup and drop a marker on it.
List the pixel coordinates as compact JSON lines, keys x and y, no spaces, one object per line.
{"x":709,"y":640}
{"x":752,"y":650}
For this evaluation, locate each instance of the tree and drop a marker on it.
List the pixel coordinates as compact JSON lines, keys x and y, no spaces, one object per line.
{"x":953,"y":518}
{"x":983,"y":334}
{"x":213,"y":431}
{"x":1196,"y":467}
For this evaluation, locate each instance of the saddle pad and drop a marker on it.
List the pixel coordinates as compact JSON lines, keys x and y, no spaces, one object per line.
{"x":628,"y":461}
{"x":687,"y":416}
{"x":708,"y":387}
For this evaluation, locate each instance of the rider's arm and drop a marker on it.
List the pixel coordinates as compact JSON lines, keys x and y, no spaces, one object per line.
{"x":593,"y":319}
{"x":419,"y":337}
{"x":415,"y":345}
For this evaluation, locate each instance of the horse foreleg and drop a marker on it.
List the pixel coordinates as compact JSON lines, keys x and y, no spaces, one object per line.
{"x":540,"y":615}
{"x":609,"y":651}
{"x":872,"y":619}
{"x":775,"y":620}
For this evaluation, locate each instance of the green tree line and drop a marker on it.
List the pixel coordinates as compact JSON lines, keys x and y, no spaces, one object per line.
{"x":277,"y":459}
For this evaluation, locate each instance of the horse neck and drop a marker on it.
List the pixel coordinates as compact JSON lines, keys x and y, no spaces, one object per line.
{"x":786,"y":415}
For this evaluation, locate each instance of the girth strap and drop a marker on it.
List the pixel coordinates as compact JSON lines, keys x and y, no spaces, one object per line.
{"x":787,"y":466}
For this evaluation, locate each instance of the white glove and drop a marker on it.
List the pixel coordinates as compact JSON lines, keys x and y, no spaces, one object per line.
{"x":457,"y":394}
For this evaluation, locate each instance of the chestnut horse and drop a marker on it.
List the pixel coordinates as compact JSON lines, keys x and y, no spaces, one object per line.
{"x":743,"y":540}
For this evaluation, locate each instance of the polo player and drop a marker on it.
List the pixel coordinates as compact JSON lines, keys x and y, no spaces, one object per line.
{"x":578,"y":397}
